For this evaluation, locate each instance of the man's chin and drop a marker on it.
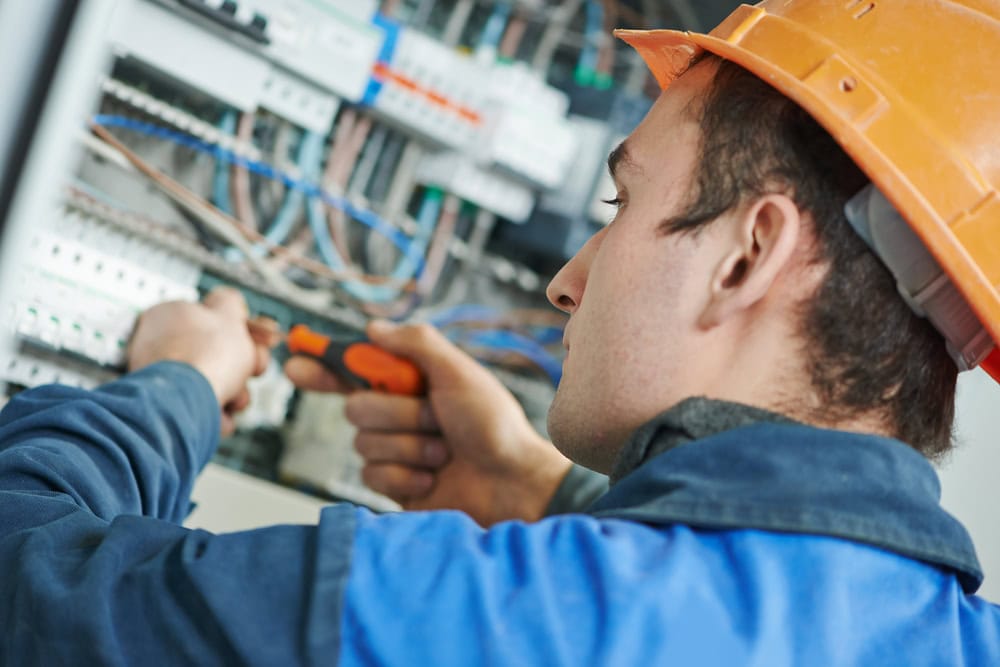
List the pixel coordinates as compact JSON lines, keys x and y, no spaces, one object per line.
{"x":579,"y":441}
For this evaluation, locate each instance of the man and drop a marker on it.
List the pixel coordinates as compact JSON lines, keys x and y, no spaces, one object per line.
{"x":738,"y":360}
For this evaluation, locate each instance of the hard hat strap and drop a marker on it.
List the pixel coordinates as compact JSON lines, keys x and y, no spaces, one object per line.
{"x":923,"y":285}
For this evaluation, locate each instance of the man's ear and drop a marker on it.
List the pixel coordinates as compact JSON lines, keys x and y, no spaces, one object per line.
{"x":759,"y":244}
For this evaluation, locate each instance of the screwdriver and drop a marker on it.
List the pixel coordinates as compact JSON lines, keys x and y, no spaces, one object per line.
{"x":353,"y":358}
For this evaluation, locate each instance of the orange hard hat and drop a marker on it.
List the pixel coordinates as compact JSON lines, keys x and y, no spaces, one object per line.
{"x":911,"y":90}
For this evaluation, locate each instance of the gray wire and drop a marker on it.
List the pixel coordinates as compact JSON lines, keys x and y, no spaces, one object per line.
{"x":554,"y":34}
{"x":422,"y":14}
{"x":457,"y":21}
{"x":369,"y":158}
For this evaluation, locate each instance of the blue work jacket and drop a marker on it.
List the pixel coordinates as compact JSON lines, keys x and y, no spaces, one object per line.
{"x":770,"y":544}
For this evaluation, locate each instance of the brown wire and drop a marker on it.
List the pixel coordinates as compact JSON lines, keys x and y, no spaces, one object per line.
{"x":606,"y":54}
{"x":512,"y":36}
{"x":170,"y":185}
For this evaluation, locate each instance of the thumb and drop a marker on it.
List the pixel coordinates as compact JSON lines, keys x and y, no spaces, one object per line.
{"x":227,"y":301}
{"x":423,"y":344}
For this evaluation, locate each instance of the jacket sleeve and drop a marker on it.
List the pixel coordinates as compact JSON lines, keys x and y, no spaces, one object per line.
{"x":134,"y":446}
{"x":95,"y":569}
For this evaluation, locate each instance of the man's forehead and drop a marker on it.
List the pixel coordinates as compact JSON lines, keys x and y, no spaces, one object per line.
{"x":620,"y":159}
{"x":679,"y":104}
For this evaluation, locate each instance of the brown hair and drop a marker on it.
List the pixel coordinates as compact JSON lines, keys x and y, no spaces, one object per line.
{"x":867,"y":352}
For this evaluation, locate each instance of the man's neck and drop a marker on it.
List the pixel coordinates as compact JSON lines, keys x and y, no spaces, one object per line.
{"x":691,"y":419}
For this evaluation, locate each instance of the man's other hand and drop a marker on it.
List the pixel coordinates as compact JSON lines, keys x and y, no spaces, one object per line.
{"x":466,"y":445}
{"x":211,"y":336}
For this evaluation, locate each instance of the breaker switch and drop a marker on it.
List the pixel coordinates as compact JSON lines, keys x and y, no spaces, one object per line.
{"x":259,"y":22}
{"x":226,"y":15}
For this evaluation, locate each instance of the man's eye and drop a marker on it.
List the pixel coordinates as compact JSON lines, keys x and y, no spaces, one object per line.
{"x":616,"y":202}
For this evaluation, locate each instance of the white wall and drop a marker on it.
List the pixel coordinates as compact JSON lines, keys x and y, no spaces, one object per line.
{"x":970,"y":479}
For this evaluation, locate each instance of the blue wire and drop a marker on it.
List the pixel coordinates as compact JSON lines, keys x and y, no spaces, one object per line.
{"x":309,"y":161}
{"x":365,"y":217}
{"x":220,"y":184}
{"x":464,"y":313}
{"x":407,"y":267}
{"x":493,"y":32}
{"x":508,"y":341}
{"x":321,"y":234}
{"x":544,"y":335}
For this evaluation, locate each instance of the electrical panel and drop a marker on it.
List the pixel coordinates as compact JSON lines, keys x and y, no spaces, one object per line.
{"x":336,"y":160}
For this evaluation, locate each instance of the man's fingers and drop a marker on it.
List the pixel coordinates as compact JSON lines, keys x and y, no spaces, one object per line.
{"x":401,"y":483}
{"x":409,"y":449}
{"x":424,"y":345}
{"x":309,"y":374}
{"x":228,"y":425}
{"x":239,"y":403}
{"x":389,"y":412}
{"x":262,"y":357}
{"x":265,"y":331}
{"x":228,"y":301}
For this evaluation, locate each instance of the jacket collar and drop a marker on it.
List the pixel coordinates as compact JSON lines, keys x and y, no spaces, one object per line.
{"x":712,"y":464}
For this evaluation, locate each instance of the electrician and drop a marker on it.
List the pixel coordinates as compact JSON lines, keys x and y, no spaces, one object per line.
{"x":745,"y":359}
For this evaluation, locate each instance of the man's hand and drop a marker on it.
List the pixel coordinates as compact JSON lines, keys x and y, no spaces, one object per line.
{"x":466,"y":445}
{"x":211,"y":336}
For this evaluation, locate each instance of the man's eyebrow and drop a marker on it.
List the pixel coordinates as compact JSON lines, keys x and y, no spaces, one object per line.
{"x":618,"y":157}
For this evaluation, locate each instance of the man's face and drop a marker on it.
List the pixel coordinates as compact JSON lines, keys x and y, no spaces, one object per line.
{"x":634,"y":294}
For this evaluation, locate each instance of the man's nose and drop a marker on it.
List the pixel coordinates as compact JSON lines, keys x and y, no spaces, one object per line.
{"x":565,"y":292}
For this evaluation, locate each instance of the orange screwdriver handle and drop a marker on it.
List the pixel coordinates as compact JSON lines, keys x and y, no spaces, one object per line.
{"x":383,"y":371}
{"x":358,"y":361}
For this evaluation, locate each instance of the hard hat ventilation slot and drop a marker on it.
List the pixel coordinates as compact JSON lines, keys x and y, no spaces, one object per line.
{"x":864,"y":10}
{"x":921,"y":282}
{"x":848,"y":83}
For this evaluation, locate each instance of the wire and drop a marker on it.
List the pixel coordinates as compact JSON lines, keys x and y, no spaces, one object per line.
{"x":554,"y":34}
{"x":240,"y":177}
{"x":224,"y":227}
{"x":512,"y":36}
{"x":389,"y":7}
{"x":231,"y":231}
{"x":501,"y":341}
{"x":437,"y":258}
{"x":309,"y":159}
{"x":363,"y":216}
{"x":457,"y":21}
{"x":340,"y":165}
{"x":284,"y":137}
{"x":422,"y":13}
{"x":586,"y":67}
{"x":405,"y":269}
{"x":493,"y":31}
{"x":437,"y":255}
{"x":332,"y":178}
{"x":604,"y":74}
{"x":220,"y":183}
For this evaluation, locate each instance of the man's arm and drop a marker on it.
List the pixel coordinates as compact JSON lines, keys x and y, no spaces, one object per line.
{"x":133,"y":446}
{"x":96,"y":569}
